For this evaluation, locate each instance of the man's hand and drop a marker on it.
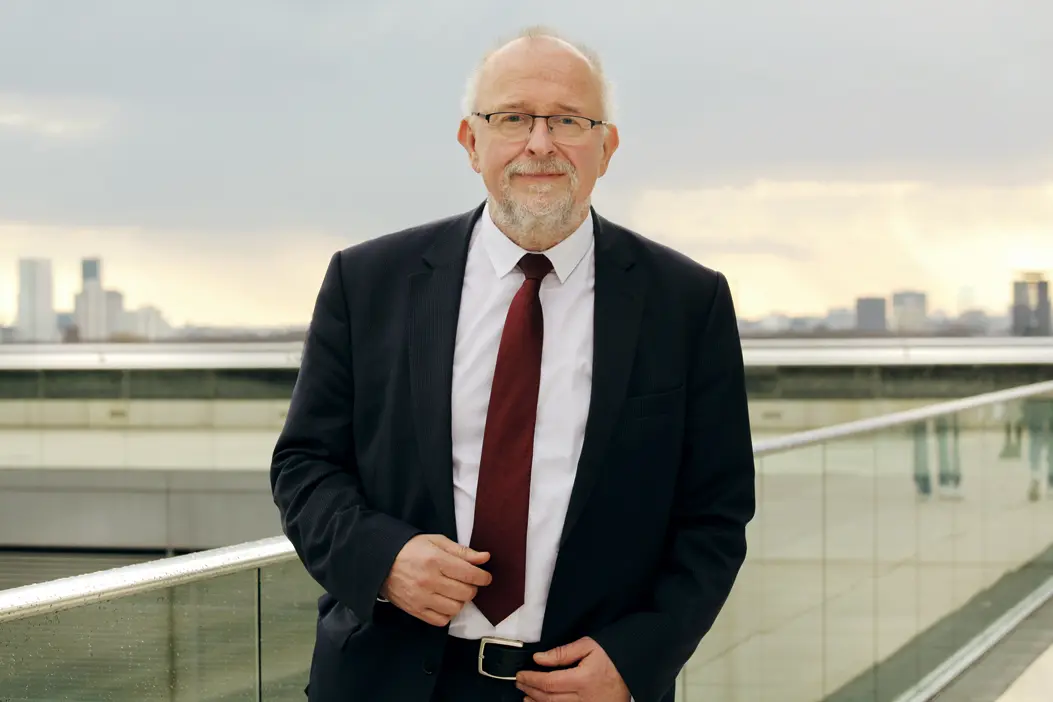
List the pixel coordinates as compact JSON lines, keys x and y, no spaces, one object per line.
{"x":432,"y":578}
{"x":592,"y":679}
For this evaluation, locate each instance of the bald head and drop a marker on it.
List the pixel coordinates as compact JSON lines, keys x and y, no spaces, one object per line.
{"x":533,"y":57}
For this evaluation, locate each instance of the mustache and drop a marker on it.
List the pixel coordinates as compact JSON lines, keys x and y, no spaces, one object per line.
{"x":552,"y":166}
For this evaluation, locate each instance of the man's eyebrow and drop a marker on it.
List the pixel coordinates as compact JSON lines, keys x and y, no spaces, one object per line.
{"x":562,"y":108}
{"x":569,"y":109}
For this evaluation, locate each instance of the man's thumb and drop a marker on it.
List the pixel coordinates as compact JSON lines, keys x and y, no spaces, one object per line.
{"x":568,"y":654}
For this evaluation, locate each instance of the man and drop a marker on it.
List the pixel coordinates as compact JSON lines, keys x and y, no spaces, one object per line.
{"x":518,"y":455}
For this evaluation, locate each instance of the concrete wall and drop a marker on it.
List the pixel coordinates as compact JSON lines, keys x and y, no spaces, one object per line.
{"x":142,"y":414}
{"x":134,"y":509}
{"x":766,"y":415}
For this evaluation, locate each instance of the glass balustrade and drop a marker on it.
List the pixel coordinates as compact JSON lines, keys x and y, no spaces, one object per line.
{"x":873,"y":558}
{"x":193,"y":642}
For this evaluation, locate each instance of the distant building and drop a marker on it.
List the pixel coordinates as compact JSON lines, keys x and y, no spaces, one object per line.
{"x":147,"y":323}
{"x":65,"y":321}
{"x":90,"y":270}
{"x":1043,"y":312}
{"x":1031,"y":315}
{"x":804,"y":324}
{"x":115,"y":320}
{"x":90,"y":308}
{"x":36,"y":304}
{"x":841,"y":319}
{"x":909,"y":312}
{"x":871,"y":315}
{"x":975,"y":321}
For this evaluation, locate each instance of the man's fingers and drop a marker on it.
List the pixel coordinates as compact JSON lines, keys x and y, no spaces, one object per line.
{"x":551,"y":682}
{"x":568,"y":654}
{"x":535,"y":695}
{"x":434,"y":618}
{"x":444,"y":605}
{"x":464,"y":572}
{"x":461,"y":551}
{"x":455,"y":589}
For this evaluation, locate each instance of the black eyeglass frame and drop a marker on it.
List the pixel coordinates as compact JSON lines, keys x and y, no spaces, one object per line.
{"x":487,"y":115}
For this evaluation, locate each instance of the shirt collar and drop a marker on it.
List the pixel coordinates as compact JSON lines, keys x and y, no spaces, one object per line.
{"x":505,"y":254}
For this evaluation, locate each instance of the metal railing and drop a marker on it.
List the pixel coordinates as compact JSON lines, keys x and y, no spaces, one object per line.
{"x":67,"y":593}
{"x":765,"y":352}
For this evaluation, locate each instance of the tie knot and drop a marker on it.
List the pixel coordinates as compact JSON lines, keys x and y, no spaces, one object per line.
{"x":535,"y":266}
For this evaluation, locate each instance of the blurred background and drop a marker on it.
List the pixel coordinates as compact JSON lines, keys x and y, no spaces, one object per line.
{"x":186,"y":168}
{"x":875,"y":179}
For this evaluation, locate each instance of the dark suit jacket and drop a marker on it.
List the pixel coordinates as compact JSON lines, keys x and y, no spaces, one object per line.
{"x":655,"y":533}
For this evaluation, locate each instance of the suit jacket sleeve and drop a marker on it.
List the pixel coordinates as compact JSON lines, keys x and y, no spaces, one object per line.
{"x":346,"y":545}
{"x":715,"y":499}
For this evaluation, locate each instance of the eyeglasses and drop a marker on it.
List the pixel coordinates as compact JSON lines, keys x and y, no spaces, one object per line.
{"x":519,"y":125}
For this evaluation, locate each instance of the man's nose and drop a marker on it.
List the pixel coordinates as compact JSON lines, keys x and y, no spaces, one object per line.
{"x":540,"y":142}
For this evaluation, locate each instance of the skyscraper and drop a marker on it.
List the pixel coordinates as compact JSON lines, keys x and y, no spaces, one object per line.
{"x":90,"y":269}
{"x":115,"y":312}
{"x":1043,"y":314}
{"x":91,"y":304}
{"x":36,"y":302}
{"x":1031,"y":306}
{"x":871,"y":314}
{"x":910,"y":312}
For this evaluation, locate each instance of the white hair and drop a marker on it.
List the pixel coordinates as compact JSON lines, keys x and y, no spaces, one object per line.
{"x":471,"y":90}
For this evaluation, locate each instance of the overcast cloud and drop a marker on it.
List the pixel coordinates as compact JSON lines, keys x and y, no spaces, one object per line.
{"x":201,"y":128}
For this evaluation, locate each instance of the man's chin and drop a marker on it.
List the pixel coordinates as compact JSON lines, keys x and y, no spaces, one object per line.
{"x":541,"y":204}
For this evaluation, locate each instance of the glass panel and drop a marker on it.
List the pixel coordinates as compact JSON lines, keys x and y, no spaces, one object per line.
{"x":103,"y":385}
{"x":288,"y":611}
{"x":849,"y":559}
{"x":874,"y":559}
{"x":193,"y":642}
{"x":769,"y":636}
{"x":268,"y":384}
{"x":19,"y":385}
{"x":172,"y":384}
{"x":902,"y":475}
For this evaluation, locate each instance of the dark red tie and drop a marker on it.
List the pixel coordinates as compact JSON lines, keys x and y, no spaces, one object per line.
{"x":502,"y":498}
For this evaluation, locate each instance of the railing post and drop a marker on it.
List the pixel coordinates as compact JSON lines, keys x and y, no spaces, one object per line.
{"x":259,"y":635}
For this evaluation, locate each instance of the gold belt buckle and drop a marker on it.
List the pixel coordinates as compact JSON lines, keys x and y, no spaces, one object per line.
{"x":501,"y":642}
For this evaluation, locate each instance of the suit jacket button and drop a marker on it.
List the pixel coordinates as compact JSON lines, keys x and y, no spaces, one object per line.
{"x":429,"y":667}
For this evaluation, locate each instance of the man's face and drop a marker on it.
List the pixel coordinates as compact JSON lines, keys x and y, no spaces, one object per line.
{"x":538,"y":175}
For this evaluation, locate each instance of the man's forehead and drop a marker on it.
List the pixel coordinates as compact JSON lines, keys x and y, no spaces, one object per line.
{"x":560,"y":78}
{"x":538,"y":56}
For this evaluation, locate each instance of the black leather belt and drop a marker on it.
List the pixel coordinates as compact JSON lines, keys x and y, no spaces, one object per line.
{"x":493,"y":657}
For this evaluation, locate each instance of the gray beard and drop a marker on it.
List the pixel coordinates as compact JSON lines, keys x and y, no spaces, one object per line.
{"x":537,"y":225}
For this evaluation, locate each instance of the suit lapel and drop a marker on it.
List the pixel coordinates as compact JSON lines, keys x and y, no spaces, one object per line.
{"x":434,"y":306}
{"x":619,"y":303}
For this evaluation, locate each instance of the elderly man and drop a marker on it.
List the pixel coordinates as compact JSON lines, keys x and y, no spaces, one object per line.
{"x":517,"y":456}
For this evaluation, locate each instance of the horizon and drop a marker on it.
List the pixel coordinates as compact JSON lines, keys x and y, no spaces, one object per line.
{"x":853,"y":156}
{"x":67,"y":279}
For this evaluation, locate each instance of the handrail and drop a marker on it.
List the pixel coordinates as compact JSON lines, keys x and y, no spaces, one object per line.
{"x":756,"y":351}
{"x":870,"y":425}
{"x":75,"y":591}
{"x":66,"y":593}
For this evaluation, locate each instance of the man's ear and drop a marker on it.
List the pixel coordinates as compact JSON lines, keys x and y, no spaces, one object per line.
{"x":466,"y":137}
{"x":610,"y":145}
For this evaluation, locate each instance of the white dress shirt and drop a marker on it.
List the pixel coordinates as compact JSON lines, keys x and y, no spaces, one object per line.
{"x":491,"y":280}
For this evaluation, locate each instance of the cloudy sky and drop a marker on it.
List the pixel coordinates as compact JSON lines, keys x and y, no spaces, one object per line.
{"x":215,"y":154}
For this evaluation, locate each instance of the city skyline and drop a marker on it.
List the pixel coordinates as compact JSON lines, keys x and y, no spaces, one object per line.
{"x":902,"y":308}
{"x":852,"y":156}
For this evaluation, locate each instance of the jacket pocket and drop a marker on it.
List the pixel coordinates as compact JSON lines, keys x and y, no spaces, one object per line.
{"x":338,"y":624}
{"x":655,"y":403}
